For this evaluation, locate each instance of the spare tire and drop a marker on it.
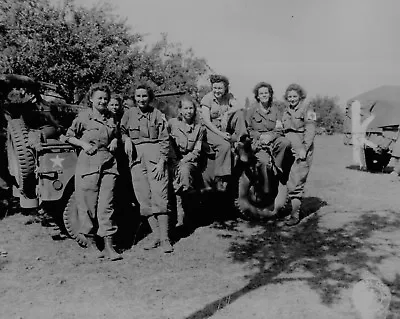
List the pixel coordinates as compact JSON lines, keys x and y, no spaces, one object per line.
{"x":251,"y":202}
{"x":72,"y":223}
{"x":21,"y":162}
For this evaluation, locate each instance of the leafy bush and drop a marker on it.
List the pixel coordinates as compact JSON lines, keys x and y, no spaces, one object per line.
{"x":330,"y":117}
{"x":74,"y":46}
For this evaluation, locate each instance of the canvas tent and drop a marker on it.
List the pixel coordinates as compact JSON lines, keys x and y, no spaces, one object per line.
{"x":383,"y":103}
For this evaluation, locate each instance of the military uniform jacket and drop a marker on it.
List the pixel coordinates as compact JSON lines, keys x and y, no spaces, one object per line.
{"x":301,"y":121}
{"x":217,"y":108}
{"x":260,"y":120}
{"x":185,"y":138}
{"x":98,"y":131}
{"x":146,"y":127}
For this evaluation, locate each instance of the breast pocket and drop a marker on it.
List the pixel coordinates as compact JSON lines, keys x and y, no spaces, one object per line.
{"x":134,"y":132}
{"x":298,"y":120}
{"x":92,"y":134}
{"x":153,"y":131}
{"x":191,"y":142}
{"x":261,"y":123}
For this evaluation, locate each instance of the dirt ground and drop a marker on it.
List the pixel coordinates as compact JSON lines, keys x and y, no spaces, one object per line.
{"x":226,"y":269}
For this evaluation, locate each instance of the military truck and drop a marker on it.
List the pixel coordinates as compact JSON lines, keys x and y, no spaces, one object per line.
{"x":380,"y":111}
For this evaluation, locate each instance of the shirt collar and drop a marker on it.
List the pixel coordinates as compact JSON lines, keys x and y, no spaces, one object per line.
{"x":225,"y":99}
{"x":187,"y":128}
{"x":263,"y":110}
{"x":98,"y":116}
{"x":145,"y":114}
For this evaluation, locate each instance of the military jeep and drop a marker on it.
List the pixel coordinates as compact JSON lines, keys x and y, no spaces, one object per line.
{"x":41,"y":165}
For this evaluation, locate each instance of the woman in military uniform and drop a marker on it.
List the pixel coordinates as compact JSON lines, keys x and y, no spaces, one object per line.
{"x":299,"y":124}
{"x":95,"y":132}
{"x":116,"y":107}
{"x":187,"y":136}
{"x":146,"y":141}
{"x":265,"y":128}
{"x":225,"y":124}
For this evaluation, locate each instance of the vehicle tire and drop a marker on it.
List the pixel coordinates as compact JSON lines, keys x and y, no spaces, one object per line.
{"x":251,"y":202}
{"x":21,"y":161}
{"x":72,"y":223}
{"x":376,"y":161}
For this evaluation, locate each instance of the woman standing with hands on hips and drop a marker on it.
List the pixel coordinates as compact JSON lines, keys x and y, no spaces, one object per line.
{"x":146,"y":142}
{"x":95,"y":131}
{"x":299,"y":125}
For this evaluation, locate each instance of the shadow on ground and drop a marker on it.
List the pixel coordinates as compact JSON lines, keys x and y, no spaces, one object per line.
{"x":331,"y":254}
{"x":386,"y":170}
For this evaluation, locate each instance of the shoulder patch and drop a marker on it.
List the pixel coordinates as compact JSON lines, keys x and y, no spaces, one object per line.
{"x":311,"y":116}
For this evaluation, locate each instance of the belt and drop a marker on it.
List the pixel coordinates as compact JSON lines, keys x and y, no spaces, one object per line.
{"x":293,"y":130}
{"x":145,"y":141}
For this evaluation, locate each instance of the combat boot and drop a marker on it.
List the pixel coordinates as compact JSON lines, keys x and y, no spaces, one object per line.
{"x":154,"y":241}
{"x":94,"y":246}
{"x":179,"y":211}
{"x":295,"y":214}
{"x":109,"y":251}
{"x":166,"y":246}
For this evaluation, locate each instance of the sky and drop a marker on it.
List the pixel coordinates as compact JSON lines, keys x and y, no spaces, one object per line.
{"x":331,"y":47}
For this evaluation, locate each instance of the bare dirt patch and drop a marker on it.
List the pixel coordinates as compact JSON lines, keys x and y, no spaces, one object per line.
{"x":228,"y":269}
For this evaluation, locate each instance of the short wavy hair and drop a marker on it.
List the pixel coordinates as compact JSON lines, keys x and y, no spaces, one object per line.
{"x":148,"y":89}
{"x":103,"y":87}
{"x":217,"y":78}
{"x":295,"y":87}
{"x":117,"y":97}
{"x":260,"y":85}
{"x":188,"y":98}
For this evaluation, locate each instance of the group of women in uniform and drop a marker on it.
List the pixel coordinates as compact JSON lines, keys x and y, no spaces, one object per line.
{"x":160,"y":151}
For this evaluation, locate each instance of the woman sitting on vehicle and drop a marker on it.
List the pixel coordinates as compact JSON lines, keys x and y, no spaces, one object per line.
{"x":187,"y":136}
{"x":299,"y":124}
{"x":146,"y":139}
{"x":224,"y":122}
{"x":265,"y":128}
{"x":116,"y":107}
{"x":95,"y":131}
{"x":116,"y":110}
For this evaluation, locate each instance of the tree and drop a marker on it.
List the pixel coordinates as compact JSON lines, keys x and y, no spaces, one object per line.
{"x":329,"y":115}
{"x":74,"y":46}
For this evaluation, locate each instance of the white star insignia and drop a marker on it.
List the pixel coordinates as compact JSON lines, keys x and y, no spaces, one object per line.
{"x":57,"y":161}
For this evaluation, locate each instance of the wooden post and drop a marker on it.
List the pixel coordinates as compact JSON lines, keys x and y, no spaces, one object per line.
{"x":359,"y":130}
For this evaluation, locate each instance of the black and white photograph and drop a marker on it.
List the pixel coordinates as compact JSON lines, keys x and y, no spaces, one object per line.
{"x":195,"y":159}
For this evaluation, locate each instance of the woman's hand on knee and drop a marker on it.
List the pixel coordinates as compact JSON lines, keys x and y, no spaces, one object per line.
{"x":128,"y":147}
{"x":159,"y":171}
